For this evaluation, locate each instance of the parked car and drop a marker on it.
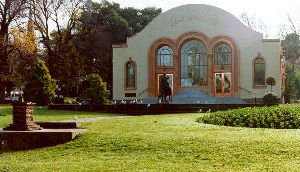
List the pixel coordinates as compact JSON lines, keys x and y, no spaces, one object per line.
{"x":14,"y":96}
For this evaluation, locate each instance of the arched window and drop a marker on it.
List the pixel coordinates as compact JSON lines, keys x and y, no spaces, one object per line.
{"x":193,"y":64}
{"x":222,"y":55}
{"x":259,"y":71}
{"x":165,"y":56}
{"x":130,"y":81}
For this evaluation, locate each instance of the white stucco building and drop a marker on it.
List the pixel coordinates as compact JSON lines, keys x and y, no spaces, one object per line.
{"x":199,"y":47}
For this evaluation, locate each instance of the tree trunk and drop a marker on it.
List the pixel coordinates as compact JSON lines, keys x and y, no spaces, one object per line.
{"x":293,"y":68}
{"x":2,"y":92}
{"x":3,"y":60}
{"x":271,"y":88}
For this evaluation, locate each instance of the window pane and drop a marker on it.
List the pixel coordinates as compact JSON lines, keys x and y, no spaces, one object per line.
{"x":222,"y":55}
{"x":226,"y":83}
{"x":158,"y":60}
{"x":259,"y":72}
{"x":193,"y":64}
{"x":130,"y":81}
{"x":165,"y":56}
{"x":218,"y":83}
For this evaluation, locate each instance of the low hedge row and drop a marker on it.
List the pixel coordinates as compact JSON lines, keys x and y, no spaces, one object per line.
{"x":279,"y":117}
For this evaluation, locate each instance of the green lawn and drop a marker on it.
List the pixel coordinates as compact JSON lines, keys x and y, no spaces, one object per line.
{"x":41,"y":113}
{"x":164,"y":143}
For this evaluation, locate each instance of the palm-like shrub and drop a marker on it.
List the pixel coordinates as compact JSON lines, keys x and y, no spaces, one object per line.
{"x":39,"y":88}
{"x":94,"y":90}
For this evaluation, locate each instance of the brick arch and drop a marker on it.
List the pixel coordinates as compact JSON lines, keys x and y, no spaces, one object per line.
{"x":235,"y":65}
{"x":180,"y":41}
{"x":153,"y":70}
{"x":222,"y":39}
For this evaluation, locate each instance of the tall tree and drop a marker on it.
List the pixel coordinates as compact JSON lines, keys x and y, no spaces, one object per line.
{"x":254,"y":24}
{"x":40,"y":87}
{"x":104,"y":24}
{"x":138,"y":19}
{"x":10,"y":11}
{"x":291,"y":47}
{"x":23,"y":55}
{"x":68,"y":66}
{"x":58,"y":43}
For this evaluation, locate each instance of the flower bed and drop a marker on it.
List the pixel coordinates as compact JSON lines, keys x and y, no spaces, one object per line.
{"x":280,"y":117}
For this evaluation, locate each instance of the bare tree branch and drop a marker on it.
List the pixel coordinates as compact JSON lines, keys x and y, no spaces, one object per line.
{"x":292,"y":25}
{"x":254,"y":24}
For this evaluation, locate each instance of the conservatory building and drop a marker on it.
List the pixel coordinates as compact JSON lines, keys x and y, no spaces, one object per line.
{"x":205,"y":52}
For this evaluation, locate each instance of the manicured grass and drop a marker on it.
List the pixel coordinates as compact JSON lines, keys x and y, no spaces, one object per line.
{"x":164,"y":143}
{"x":41,"y":113}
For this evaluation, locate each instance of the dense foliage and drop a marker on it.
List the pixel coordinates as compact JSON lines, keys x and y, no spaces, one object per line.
{"x":40,"y":88}
{"x":280,"y":117}
{"x":270,"y":98}
{"x":94,"y":90}
{"x":291,"y":47}
{"x":99,"y":27}
{"x":78,"y":41}
{"x":292,"y":83}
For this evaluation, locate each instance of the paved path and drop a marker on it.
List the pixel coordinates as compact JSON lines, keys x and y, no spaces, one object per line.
{"x":94,"y":119}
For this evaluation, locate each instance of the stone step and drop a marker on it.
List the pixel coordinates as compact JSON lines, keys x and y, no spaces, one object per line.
{"x":197,"y":97}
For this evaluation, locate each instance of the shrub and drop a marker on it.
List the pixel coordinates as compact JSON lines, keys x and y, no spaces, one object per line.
{"x":94,"y":90}
{"x":270,"y":98}
{"x":39,"y":88}
{"x":72,"y":99}
{"x":280,"y":117}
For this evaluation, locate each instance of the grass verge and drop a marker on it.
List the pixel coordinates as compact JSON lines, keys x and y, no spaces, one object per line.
{"x":164,"y":143}
{"x":41,"y":113}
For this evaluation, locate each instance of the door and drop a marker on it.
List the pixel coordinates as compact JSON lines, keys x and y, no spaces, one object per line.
{"x":222,"y":84}
{"x":170,"y":81}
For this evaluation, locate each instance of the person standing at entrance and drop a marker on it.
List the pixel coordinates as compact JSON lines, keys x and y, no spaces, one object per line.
{"x":164,"y":84}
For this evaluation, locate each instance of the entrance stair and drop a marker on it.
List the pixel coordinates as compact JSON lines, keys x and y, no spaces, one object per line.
{"x":197,"y":97}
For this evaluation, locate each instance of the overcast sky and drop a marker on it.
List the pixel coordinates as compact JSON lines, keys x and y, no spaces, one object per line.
{"x":272,"y":12}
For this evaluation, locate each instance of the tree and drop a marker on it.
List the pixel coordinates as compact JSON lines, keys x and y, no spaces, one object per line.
{"x":10,"y":11}
{"x":94,"y":89}
{"x":254,"y":24}
{"x":137,"y":19}
{"x":291,"y":47}
{"x":285,"y":30}
{"x":292,"y":84}
{"x":23,"y":55}
{"x":271,"y":81}
{"x":61,"y":56}
{"x":40,"y":88}
{"x":102,"y":25}
{"x":68,"y":66}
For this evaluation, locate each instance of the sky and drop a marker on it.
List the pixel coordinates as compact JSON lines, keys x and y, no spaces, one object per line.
{"x":271,"y":12}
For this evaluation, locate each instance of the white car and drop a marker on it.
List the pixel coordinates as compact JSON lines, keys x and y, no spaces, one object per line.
{"x":14,"y":96}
